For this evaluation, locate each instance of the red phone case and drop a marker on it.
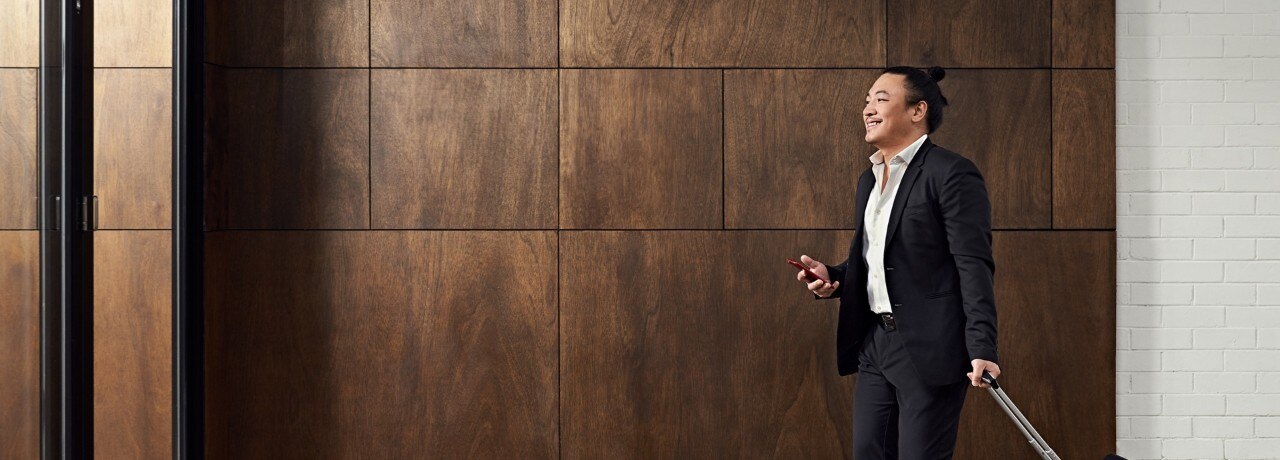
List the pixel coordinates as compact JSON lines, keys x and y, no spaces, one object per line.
{"x":807,"y":272}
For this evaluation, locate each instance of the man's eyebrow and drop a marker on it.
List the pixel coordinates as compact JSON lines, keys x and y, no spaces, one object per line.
{"x":886,"y":93}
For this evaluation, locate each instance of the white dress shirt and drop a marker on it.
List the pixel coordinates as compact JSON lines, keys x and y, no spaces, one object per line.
{"x":876,"y":216}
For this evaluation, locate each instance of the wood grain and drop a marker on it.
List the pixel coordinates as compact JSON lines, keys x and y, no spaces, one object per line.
{"x":1084,"y":149}
{"x":1084,"y":33}
{"x":20,"y":344}
{"x":288,"y":33}
{"x":133,"y":33}
{"x":287,"y":148}
{"x":20,"y":33}
{"x":132,"y":139}
{"x":695,"y":344}
{"x":18,"y":148}
{"x":381,"y":344}
{"x":1063,"y":382}
{"x":442,"y":33}
{"x":793,"y":147}
{"x":969,"y":33}
{"x":640,"y":149}
{"x":132,"y":347}
{"x":736,"y":33}
{"x":464,"y":149}
{"x":1001,"y":120}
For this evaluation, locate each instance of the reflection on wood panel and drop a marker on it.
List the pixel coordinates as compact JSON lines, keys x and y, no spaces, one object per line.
{"x":133,"y":33}
{"x":287,"y":33}
{"x":132,"y":393}
{"x":20,"y":33}
{"x":640,"y":149}
{"x":794,"y":147}
{"x":475,"y":33}
{"x":19,"y":344}
{"x":132,"y":133}
{"x":1084,"y":33}
{"x":381,"y":344}
{"x":18,"y":159}
{"x":464,"y":149}
{"x":1001,"y":119}
{"x":1055,"y":293}
{"x":1084,"y":154}
{"x":963,"y":33}
{"x":287,"y":148}
{"x":696,"y":344}
{"x":736,"y":33}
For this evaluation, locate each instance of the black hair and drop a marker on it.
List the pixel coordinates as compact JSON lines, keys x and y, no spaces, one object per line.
{"x":922,"y":85}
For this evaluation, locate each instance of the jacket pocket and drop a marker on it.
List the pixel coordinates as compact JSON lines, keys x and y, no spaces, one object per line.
{"x":916,"y":208}
{"x":941,"y":294}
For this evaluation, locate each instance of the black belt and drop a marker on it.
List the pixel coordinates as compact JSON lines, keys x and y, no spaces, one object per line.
{"x":886,"y":320}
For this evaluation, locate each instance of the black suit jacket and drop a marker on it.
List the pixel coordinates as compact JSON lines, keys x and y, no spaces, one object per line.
{"x":938,"y":268}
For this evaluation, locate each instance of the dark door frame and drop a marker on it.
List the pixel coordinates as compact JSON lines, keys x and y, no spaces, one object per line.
{"x":66,"y":223}
{"x":68,"y":218}
{"x":188,"y":229}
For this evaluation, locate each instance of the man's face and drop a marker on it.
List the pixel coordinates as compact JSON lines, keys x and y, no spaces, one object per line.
{"x":887,"y":117}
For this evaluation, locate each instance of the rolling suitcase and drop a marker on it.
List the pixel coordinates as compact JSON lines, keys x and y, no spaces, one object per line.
{"x":1029,"y":431}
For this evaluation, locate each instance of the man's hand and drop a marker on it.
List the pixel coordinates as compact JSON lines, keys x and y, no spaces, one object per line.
{"x":819,"y":287}
{"x":979,"y":365}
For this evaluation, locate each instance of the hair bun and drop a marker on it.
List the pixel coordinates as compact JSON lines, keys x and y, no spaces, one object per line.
{"x":937,"y":73}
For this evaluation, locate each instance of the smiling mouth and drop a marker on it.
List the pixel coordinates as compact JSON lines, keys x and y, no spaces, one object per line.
{"x":872,"y":124}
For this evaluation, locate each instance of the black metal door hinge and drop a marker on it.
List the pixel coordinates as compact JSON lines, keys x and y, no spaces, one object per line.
{"x":89,"y":213}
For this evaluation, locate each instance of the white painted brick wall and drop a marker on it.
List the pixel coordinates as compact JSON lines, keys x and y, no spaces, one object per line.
{"x":1198,"y":229}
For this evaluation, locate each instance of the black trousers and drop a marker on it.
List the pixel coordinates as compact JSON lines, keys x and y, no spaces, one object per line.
{"x":895,"y":415}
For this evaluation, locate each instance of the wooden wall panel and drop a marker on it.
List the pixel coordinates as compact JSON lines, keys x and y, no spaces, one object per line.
{"x":287,"y":33}
{"x":737,"y":33}
{"x":1001,"y":119}
{"x":793,"y":147}
{"x":132,"y":131}
{"x":132,"y":347}
{"x":443,"y":33}
{"x":464,"y":149}
{"x":1084,"y":33}
{"x":696,"y":344}
{"x":287,"y":148}
{"x":18,"y":147}
{"x":20,"y":344}
{"x":133,"y":33}
{"x":1084,"y":149}
{"x":966,"y":33}
{"x":1062,"y":382}
{"x":381,"y":344}
{"x":20,"y":33}
{"x":641,"y":149}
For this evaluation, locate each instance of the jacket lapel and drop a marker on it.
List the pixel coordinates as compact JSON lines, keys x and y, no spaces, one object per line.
{"x":904,"y":189}
{"x":865,"y":184}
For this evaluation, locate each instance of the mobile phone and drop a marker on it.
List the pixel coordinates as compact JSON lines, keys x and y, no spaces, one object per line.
{"x":807,"y":273}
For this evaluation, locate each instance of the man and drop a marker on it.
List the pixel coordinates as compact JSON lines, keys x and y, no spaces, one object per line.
{"x":919,"y":323}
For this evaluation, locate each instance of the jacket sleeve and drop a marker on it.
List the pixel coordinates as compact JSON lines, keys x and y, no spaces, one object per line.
{"x":835,"y":273}
{"x":966,"y":213}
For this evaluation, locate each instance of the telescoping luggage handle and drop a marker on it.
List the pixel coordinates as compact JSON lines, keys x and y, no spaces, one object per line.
{"x":1029,"y":431}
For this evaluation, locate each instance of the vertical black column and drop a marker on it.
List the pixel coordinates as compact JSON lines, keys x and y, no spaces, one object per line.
{"x":77,"y":238}
{"x":67,"y":224}
{"x":50,"y":224}
{"x":188,"y":229}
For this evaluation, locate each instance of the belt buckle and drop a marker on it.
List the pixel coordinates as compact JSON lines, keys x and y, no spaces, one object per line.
{"x":887,"y":320}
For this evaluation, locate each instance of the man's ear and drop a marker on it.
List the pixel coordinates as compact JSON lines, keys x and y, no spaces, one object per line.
{"x":919,"y":111}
